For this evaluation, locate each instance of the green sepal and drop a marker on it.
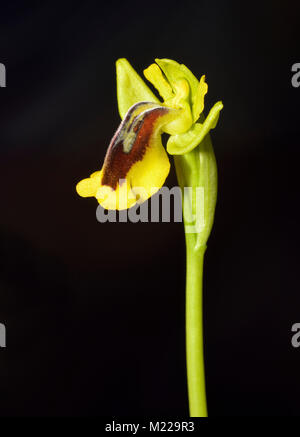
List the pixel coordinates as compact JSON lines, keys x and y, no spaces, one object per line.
{"x":131,"y":88}
{"x":186,"y":142}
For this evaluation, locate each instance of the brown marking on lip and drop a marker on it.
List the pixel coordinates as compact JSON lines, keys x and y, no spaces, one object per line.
{"x":117,"y":163}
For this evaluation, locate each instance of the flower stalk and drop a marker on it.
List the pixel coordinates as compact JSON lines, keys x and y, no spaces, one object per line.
{"x":194,"y":330}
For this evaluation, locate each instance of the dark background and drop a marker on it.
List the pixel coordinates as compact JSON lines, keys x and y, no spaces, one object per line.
{"x":95,"y":312}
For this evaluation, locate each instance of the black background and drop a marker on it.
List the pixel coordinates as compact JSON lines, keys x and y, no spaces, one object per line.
{"x":95,"y":312}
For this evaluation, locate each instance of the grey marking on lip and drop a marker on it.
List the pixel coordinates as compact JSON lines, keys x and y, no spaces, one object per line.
{"x":130,"y":126}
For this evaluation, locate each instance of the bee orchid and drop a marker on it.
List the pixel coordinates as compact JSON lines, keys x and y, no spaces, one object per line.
{"x":136,"y":164}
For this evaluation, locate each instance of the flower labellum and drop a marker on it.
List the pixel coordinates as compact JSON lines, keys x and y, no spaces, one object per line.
{"x":136,"y":164}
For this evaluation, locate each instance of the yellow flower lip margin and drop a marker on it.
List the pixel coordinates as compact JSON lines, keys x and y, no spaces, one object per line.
{"x":120,"y":198}
{"x":137,"y":141}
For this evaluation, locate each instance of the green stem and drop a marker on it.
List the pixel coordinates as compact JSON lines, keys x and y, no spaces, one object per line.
{"x":196,"y":169}
{"x":194,"y":329}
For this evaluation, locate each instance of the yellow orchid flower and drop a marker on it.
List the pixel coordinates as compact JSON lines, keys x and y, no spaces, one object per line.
{"x":136,"y":164}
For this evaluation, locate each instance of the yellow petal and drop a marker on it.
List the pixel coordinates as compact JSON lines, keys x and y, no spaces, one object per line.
{"x":154,"y":74}
{"x":198,"y":105}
